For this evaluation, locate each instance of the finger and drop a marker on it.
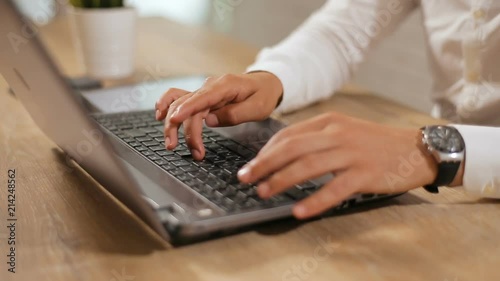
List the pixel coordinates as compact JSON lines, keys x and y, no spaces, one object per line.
{"x":305,"y":168}
{"x":228,"y":88}
{"x":171,"y":128}
{"x":313,"y":124}
{"x":165,"y":100}
{"x":284,"y":153}
{"x":237,"y":113}
{"x":193,"y":128}
{"x":330,"y":195}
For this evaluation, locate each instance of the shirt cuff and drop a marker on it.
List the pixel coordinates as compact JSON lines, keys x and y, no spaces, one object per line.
{"x":482,"y":160}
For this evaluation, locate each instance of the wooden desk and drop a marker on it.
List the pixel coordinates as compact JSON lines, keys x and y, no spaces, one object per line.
{"x":69,"y":228}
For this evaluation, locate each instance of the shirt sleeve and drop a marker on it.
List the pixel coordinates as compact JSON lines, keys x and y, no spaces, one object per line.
{"x":320,"y":56}
{"x":482,"y":160}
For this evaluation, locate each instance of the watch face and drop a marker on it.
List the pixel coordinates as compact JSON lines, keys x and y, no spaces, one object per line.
{"x":446,"y":139}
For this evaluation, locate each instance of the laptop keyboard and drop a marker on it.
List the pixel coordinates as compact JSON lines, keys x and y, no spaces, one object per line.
{"x":214,"y":177}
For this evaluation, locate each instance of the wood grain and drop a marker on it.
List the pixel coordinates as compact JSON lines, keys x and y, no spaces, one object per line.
{"x":69,"y":228}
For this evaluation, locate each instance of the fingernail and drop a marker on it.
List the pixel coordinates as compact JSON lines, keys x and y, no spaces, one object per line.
{"x":264,"y":189}
{"x":300,"y":211}
{"x":157,"y":114}
{"x":244,"y":173}
{"x":211,"y":120}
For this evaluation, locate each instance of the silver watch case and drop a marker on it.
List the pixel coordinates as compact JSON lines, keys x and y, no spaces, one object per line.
{"x":440,"y":156}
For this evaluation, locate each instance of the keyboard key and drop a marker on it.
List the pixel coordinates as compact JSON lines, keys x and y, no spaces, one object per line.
{"x":135,"y":133}
{"x":147,"y":153}
{"x":184,"y":153}
{"x":183,"y":177}
{"x":229,"y":190}
{"x":172,"y":158}
{"x":134,"y":143}
{"x":143,"y":139}
{"x":165,"y":152}
{"x":199,"y":175}
{"x":240,"y":197}
{"x":155,"y":123}
{"x":151,"y":143}
{"x":141,"y":148}
{"x":125,"y":127}
{"x":214,"y":147}
{"x":161,"y":162}
{"x":250,"y":203}
{"x":190,"y":168}
{"x":154,"y":157}
{"x":296,"y":194}
{"x":176,"y":172}
{"x":156,"y":134}
{"x":157,"y":148}
{"x":228,"y":204}
{"x":217,"y":138}
{"x":306,"y":185}
{"x":180,"y":163}
{"x":149,"y":130}
{"x":280,"y":199}
{"x":169,"y":167}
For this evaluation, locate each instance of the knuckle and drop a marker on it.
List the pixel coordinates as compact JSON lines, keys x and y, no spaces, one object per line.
{"x":332,"y":116}
{"x":173,"y":92}
{"x":228,"y":78}
{"x":334,"y":131}
{"x":175,"y":104}
{"x":209,"y":80}
{"x":325,"y":116}
{"x":281,"y":135}
{"x":288,"y":143}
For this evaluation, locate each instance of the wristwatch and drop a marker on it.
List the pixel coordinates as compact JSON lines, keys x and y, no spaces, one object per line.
{"x":447,"y":147}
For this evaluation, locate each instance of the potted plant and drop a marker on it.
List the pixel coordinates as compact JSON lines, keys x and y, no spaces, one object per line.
{"x":106,"y":36}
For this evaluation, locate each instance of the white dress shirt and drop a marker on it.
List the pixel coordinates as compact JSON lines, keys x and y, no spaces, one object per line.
{"x":463,"y":42}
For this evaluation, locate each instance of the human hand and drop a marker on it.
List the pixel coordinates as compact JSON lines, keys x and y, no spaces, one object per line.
{"x":223,"y":101}
{"x":365,"y":158}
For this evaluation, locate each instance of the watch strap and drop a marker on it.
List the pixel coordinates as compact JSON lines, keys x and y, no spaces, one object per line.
{"x":446,"y":174}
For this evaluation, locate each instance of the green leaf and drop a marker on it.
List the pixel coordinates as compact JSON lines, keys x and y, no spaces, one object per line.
{"x":97,"y":3}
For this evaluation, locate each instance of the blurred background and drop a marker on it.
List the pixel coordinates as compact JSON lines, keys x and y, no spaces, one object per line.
{"x":396,"y":69}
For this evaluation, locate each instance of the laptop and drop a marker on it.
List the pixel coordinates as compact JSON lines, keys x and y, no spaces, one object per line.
{"x":179,"y":198}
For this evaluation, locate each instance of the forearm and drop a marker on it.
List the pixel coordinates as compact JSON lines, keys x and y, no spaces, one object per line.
{"x":321,"y":55}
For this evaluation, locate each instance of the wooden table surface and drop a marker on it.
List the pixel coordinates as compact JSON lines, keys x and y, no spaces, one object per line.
{"x":69,"y":228}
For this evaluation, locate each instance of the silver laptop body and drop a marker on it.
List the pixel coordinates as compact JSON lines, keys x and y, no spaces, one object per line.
{"x":171,"y":207}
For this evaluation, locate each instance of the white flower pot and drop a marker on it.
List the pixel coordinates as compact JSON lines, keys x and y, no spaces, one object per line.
{"x":107,"y":39}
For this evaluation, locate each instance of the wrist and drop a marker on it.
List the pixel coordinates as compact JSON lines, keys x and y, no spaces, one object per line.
{"x":271,"y":85}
